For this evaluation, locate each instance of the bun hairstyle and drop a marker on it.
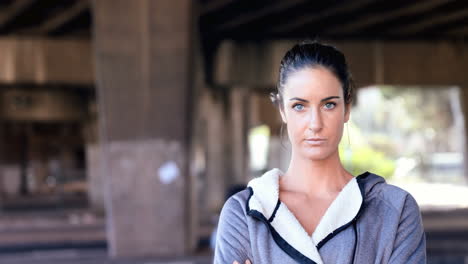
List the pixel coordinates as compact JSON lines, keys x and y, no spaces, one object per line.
{"x":311,"y":54}
{"x":274,"y":97}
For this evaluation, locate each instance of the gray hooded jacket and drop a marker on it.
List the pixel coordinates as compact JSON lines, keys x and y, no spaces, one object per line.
{"x":369,"y":221}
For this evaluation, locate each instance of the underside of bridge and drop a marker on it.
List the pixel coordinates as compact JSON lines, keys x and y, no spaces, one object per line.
{"x":135,"y":116}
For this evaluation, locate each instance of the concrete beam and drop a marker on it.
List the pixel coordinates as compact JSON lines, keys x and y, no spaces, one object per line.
{"x":37,"y":105}
{"x":249,"y":17}
{"x":212,"y":6}
{"x":457,"y":31}
{"x":379,"y":62}
{"x":308,"y":18}
{"x":375,"y":18}
{"x":62,"y":17}
{"x":39,"y":60}
{"x":13,"y":10}
{"x":433,"y":21}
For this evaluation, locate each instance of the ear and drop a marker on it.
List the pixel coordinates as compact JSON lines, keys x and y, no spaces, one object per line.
{"x":347,"y":112}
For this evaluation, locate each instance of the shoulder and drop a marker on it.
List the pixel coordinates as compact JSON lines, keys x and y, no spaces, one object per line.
{"x":234,"y":209}
{"x":394,"y":197}
{"x":232,"y":236}
{"x":238,"y":200}
{"x":401,"y":215}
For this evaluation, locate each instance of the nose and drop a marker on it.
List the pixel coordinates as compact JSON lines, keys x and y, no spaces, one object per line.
{"x":316,"y":122}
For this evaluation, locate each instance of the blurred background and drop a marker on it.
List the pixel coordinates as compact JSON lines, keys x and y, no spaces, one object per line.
{"x":124,"y":125}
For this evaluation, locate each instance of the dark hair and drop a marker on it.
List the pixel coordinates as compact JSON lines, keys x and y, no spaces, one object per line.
{"x":309,"y":54}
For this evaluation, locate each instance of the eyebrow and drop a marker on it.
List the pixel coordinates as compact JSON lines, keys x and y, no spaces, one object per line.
{"x":305,"y":101}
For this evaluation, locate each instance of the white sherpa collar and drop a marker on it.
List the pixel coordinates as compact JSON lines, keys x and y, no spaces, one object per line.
{"x":264,"y":204}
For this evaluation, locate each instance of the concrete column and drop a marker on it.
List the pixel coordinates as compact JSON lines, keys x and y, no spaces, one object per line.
{"x":143,"y":57}
{"x":94,"y":178}
{"x":263,"y":112}
{"x":216,"y":131}
{"x":464,"y":105}
{"x":239,"y":115}
{"x":10,"y":169}
{"x":3,"y":165}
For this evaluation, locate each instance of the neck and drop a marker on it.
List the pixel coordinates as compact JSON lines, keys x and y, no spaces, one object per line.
{"x":315,"y":177}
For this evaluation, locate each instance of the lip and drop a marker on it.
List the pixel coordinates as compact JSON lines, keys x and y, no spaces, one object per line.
{"x":315,"y":141}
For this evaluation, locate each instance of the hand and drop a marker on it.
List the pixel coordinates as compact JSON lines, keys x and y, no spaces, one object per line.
{"x":246,"y":262}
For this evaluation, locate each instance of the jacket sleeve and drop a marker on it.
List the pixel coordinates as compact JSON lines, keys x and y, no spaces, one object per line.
{"x":232,"y":239}
{"x":410,"y":242}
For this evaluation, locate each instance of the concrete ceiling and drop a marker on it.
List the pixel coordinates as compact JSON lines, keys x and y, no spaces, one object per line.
{"x":335,"y":19}
{"x":264,"y":19}
{"x":45,"y":18}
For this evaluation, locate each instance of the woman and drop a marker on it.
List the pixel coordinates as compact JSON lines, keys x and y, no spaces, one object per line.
{"x":316,"y":211}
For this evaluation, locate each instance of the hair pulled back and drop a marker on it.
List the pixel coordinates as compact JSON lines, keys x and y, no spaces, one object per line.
{"x":311,"y":54}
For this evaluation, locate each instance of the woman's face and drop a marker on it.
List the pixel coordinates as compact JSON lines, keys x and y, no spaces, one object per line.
{"x":315,"y":112}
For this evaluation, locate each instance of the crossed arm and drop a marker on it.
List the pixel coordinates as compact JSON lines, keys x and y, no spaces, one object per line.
{"x":232,"y":239}
{"x":410,"y":243}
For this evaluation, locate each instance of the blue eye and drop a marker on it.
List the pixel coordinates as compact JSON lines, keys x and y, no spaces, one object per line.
{"x":330,"y":105}
{"x":298,"y":107}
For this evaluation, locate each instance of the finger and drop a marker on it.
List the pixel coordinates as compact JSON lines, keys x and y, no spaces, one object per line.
{"x":235,"y":262}
{"x":248,"y":262}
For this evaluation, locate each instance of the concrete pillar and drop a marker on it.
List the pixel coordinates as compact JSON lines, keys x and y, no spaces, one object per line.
{"x":464,"y":106}
{"x":30,"y":59}
{"x":10,"y":170}
{"x":143,"y":55}
{"x":3,"y":165}
{"x":216,"y":132}
{"x":11,"y":174}
{"x":263,"y":112}
{"x":94,"y":178}
{"x":239,"y":115}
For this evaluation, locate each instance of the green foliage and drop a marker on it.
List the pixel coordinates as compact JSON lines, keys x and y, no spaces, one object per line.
{"x":391,"y":122}
{"x":364,"y":158}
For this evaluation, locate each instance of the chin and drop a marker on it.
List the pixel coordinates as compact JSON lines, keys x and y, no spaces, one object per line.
{"x":316,"y":154}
